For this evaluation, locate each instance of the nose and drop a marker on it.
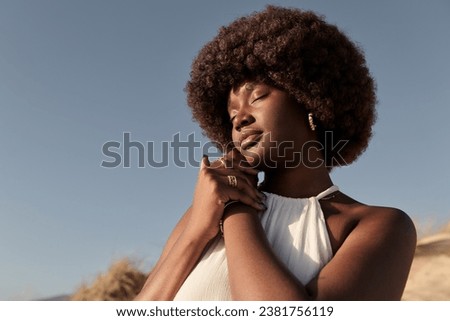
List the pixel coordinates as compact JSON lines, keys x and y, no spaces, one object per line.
{"x":243,"y":118}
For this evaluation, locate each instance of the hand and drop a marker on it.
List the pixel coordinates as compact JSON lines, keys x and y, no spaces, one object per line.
{"x":234,"y":159}
{"x":214,"y":190}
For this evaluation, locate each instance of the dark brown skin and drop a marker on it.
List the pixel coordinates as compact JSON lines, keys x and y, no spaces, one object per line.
{"x":373,"y":246}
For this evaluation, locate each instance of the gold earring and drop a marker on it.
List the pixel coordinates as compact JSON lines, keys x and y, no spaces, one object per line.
{"x":311,"y":122}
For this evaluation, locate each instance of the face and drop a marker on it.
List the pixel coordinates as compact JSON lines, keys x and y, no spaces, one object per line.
{"x":269,"y":127}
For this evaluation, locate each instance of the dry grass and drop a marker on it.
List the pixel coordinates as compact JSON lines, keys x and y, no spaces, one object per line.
{"x":120,"y":283}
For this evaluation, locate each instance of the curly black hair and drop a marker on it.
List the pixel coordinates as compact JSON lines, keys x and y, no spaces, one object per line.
{"x":298,"y":52}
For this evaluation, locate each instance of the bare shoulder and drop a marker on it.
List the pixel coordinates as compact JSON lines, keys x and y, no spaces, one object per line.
{"x":372,"y":256}
{"x":387,"y":222}
{"x":387,"y":236}
{"x":350,"y":221}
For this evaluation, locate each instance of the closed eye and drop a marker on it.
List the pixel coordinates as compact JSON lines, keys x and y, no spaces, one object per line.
{"x":260,"y":97}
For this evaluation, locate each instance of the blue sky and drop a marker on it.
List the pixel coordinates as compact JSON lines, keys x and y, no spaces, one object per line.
{"x":77,"y":74}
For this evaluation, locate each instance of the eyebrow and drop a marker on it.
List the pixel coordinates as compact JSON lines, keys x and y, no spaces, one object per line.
{"x":248,"y":85}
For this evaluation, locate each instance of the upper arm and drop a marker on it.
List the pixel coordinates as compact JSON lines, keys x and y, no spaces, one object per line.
{"x":373,"y":262}
{"x":175,"y":234}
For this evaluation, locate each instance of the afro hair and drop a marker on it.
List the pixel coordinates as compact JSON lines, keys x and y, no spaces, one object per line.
{"x":298,"y":52}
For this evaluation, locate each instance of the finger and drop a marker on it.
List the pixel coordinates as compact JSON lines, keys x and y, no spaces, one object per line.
{"x":234,"y":153}
{"x":219,"y":163}
{"x":253,"y":192}
{"x":250,"y":179}
{"x":241,"y":164}
{"x":247,"y":187}
{"x":223,"y":163}
{"x":249,"y":170}
{"x":235,"y":159}
{"x":238,"y":158}
{"x":205,"y":162}
{"x":242,"y":178}
{"x":237,"y":195}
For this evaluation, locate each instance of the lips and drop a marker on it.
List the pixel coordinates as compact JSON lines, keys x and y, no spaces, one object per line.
{"x":249,"y":139}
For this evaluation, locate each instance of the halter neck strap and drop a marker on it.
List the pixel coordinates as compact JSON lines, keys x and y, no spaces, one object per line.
{"x":327,"y":192}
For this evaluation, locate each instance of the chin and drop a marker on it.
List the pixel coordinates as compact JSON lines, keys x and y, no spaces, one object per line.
{"x":255,"y":158}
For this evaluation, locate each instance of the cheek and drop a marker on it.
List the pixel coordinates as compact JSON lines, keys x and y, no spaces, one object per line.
{"x":289,"y":128}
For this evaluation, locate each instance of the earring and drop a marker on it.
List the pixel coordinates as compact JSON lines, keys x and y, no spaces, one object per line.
{"x":311,"y":122}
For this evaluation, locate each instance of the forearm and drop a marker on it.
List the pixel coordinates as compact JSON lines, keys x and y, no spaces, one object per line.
{"x":255,"y":272}
{"x":199,"y":226}
{"x":171,"y":271}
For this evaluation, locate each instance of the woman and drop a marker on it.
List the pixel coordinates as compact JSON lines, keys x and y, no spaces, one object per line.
{"x":283,"y":92}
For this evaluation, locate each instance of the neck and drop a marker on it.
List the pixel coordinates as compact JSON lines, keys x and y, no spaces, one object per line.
{"x":299,"y":182}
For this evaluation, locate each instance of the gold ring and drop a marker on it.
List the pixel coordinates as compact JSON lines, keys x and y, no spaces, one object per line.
{"x":232,"y":181}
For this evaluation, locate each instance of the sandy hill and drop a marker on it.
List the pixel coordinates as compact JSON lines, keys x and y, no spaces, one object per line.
{"x":429,"y":278}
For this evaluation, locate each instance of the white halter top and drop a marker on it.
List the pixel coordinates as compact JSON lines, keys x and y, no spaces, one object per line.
{"x":296,"y":230}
